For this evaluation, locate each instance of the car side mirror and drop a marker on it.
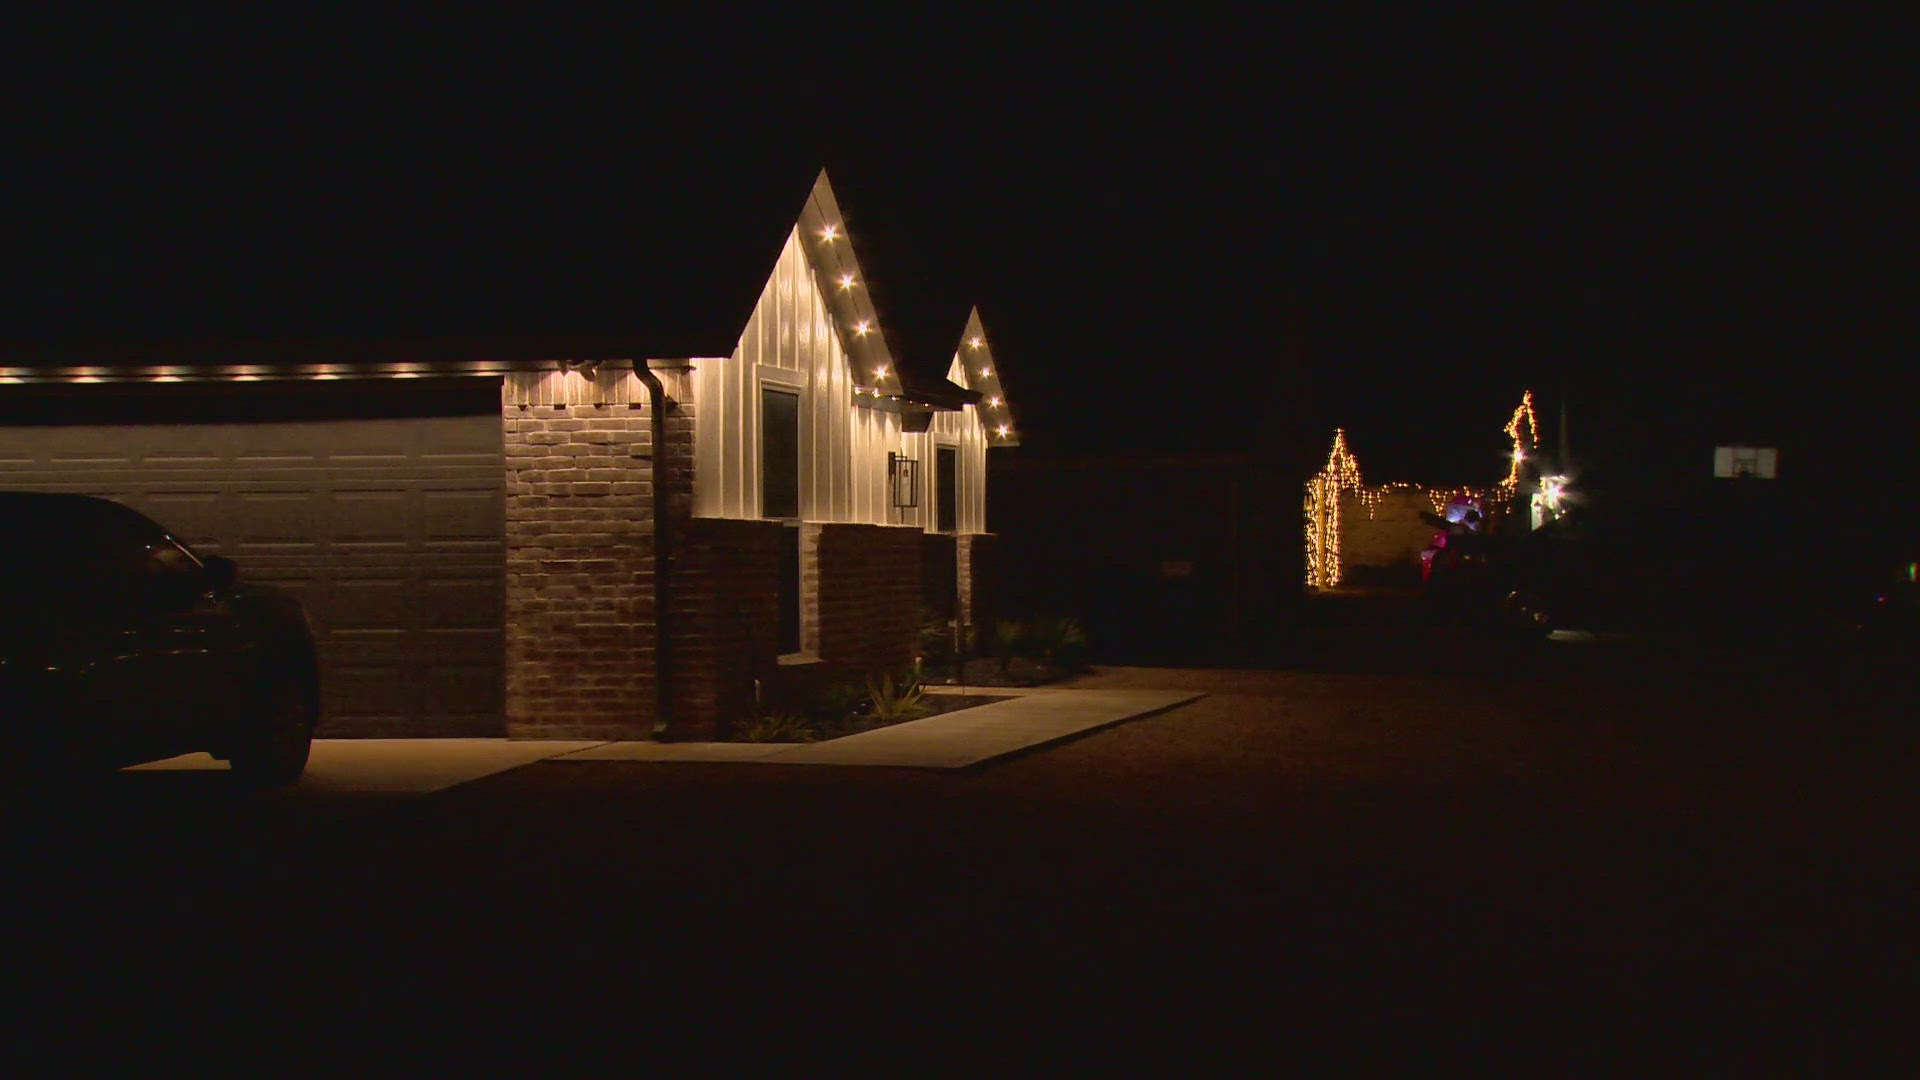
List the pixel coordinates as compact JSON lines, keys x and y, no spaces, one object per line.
{"x":221,"y":571}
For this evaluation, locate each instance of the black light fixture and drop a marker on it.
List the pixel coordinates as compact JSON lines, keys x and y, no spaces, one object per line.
{"x":903,"y":481}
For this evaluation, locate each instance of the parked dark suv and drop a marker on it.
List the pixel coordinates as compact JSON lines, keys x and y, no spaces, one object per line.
{"x":119,"y":645}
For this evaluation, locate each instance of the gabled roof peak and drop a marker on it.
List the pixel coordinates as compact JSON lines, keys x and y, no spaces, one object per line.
{"x":975,"y":367}
{"x":822,"y":233}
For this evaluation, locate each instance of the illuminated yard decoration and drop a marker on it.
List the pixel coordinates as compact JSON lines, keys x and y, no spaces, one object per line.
{"x":1339,"y":476}
{"x":1337,"y":489}
{"x":1522,"y":411}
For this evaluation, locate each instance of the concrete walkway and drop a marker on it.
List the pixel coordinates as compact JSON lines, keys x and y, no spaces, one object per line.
{"x":1028,"y":718}
{"x":955,"y":740}
{"x":394,"y":766}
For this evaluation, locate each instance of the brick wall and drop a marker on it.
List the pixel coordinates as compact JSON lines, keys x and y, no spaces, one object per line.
{"x":869,"y":596}
{"x":726,"y":582}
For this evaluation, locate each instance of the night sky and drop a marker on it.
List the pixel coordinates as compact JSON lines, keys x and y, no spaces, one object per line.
{"x":1182,"y":233}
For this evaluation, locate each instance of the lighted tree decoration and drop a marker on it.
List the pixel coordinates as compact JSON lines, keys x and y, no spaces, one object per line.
{"x":1521,"y":445}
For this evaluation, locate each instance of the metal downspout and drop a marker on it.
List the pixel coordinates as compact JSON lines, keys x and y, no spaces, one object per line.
{"x":662,"y":556}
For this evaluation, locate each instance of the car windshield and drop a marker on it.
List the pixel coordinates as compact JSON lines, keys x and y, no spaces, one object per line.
{"x":85,"y":550}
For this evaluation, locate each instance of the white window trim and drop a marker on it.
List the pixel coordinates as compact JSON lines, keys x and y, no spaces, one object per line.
{"x":789,"y":381}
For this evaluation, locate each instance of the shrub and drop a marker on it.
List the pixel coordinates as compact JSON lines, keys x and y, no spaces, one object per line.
{"x":1061,"y":642}
{"x":1007,"y":641}
{"x":893,"y":704}
{"x":936,"y":636}
{"x":837,"y":704}
{"x":778,"y":727}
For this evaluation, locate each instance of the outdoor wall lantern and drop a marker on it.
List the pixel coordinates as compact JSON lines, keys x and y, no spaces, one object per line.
{"x":903,"y":481}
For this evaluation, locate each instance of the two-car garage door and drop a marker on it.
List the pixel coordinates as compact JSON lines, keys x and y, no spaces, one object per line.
{"x":379,"y":503}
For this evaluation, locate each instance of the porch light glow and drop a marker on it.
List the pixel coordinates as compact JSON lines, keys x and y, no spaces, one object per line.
{"x":880,"y":372}
{"x":975,"y":342}
{"x":1004,"y":428}
{"x":863,"y":328}
{"x":994,"y":402}
{"x":986,"y":373}
{"x":830,"y":233}
{"x":846,"y":281}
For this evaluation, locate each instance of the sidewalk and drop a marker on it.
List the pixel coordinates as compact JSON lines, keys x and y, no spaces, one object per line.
{"x":956,"y":740}
{"x":383,"y":767}
{"x":1028,"y":718}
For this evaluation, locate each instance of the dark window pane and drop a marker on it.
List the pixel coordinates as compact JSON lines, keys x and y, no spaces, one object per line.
{"x":949,"y":469}
{"x":790,"y":589}
{"x":779,"y":454}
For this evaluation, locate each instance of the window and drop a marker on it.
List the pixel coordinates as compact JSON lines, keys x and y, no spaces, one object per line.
{"x":780,"y":499}
{"x":947,"y":464}
{"x":1746,"y":462}
{"x":779,"y":453}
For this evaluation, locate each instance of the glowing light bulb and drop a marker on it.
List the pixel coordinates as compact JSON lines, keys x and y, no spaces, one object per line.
{"x":880,"y":372}
{"x":830,"y":233}
{"x":975,"y":342}
{"x":846,"y":281}
{"x":986,"y":372}
{"x":1004,"y":429}
{"x":994,"y":401}
{"x":863,"y":328}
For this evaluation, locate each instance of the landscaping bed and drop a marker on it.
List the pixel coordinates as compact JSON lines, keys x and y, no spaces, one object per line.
{"x":842,"y":712}
{"x":1019,"y":671}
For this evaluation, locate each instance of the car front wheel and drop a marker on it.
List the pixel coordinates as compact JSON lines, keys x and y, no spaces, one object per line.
{"x":274,"y":752}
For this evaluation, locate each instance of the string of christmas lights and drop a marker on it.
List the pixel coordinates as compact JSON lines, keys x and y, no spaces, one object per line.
{"x":997,"y":418}
{"x":1512,"y":431}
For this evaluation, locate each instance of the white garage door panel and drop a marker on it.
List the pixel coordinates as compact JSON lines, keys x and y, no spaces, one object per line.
{"x":389,"y":531}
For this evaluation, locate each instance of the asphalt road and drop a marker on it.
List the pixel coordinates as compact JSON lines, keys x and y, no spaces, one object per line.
{"x":1411,"y":846}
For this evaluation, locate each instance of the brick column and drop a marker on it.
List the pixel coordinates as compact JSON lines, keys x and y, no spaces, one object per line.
{"x":979,"y":578}
{"x":810,"y":587}
{"x":579,"y":558}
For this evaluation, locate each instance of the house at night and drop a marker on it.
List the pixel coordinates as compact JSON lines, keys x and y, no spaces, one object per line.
{"x":619,"y":536}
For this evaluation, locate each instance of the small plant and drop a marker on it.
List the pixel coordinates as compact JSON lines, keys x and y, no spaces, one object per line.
{"x":1058,"y":641}
{"x":893,"y":704}
{"x":778,"y":727}
{"x":936,"y":637}
{"x":1007,"y":641}
{"x":837,"y":705}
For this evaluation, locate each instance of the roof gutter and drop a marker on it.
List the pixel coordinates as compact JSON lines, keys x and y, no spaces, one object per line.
{"x":662,"y":557}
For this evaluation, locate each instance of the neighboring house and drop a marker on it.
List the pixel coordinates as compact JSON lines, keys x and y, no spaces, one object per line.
{"x":474,"y":525}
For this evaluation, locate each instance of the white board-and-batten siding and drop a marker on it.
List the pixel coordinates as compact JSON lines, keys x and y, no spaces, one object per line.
{"x":791,"y":343}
